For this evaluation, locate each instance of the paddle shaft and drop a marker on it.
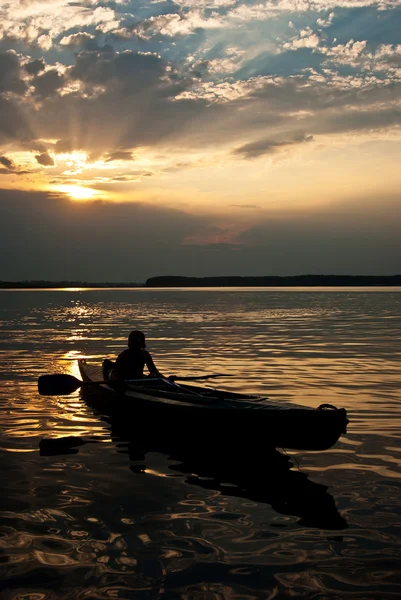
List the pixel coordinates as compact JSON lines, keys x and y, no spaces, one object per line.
{"x":143,"y":380}
{"x":176,"y":378}
{"x":198,"y":377}
{"x":64,"y":384}
{"x":147,"y":380}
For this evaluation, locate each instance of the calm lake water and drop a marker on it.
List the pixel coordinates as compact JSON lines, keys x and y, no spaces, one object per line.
{"x":111,"y":519}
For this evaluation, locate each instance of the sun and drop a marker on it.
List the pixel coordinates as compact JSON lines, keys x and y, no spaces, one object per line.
{"x":78,"y":192}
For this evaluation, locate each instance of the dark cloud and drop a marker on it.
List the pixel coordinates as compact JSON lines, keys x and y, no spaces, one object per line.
{"x":13,"y":122}
{"x":129,"y":100}
{"x":351,"y":237}
{"x":48,"y":83}
{"x":45,"y":159}
{"x":255,"y":149}
{"x":4,"y":171}
{"x":63,"y":146}
{"x":7,"y":162}
{"x":120,"y":155}
{"x":10,"y":73}
{"x":339,"y":242}
{"x":15,"y":113}
{"x":77,"y":240}
{"x":88,"y":240}
{"x":35,"y":66}
{"x":132,"y":71}
{"x":371,"y":118}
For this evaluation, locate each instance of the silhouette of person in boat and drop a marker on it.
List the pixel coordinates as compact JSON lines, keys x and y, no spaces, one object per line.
{"x":130,"y":362}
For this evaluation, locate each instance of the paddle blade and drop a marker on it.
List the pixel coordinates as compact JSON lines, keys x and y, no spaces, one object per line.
{"x":58,"y":385}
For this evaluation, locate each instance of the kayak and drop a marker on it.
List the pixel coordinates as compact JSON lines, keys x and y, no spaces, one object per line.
{"x":204,"y":416}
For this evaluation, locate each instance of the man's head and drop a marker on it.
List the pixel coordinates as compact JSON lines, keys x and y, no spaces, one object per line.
{"x":136,"y":340}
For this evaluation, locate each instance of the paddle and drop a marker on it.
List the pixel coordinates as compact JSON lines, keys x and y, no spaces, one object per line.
{"x":64,"y":384}
{"x":175,"y":385}
{"x":198,"y":377}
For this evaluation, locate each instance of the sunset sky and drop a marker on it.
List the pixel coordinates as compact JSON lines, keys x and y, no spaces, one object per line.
{"x":221,"y":137}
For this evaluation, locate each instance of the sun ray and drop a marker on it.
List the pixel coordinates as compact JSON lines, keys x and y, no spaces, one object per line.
{"x":78,"y":192}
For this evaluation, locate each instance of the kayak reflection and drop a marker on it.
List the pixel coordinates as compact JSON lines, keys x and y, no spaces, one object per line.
{"x":248,"y":470}
{"x":271,"y":480}
{"x":267,"y":478}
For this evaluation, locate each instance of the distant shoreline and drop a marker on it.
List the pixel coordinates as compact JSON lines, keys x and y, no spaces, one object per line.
{"x":276,"y":281}
{"x":178,"y":281}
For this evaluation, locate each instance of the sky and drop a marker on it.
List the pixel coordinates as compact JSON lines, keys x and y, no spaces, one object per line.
{"x":199,"y":137}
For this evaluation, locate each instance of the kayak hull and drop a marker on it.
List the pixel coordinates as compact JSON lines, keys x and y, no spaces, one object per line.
{"x":214,"y":418}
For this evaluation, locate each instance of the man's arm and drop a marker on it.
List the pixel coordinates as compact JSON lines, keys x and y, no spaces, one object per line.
{"x":151,"y":365}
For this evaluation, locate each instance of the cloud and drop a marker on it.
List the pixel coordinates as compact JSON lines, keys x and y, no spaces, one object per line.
{"x":221,"y":232}
{"x":35,"y":66}
{"x":13,"y":123}
{"x":59,"y":24}
{"x":346,"y":53}
{"x":130,"y":70}
{"x":45,"y":159}
{"x":45,"y":42}
{"x":7,"y":162}
{"x":350,"y":237}
{"x":306,"y":39}
{"x":65,"y":146}
{"x":209,"y":4}
{"x":70,"y":240}
{"x":325,"y":22}
{"x":218,"y":87}
{"x":134,"y":175}
{"x":48,"y":83}
{"x":120,"y":155}
{"x":143,"y":101}
{"x":10,"y":73}
{"x":132,"y":95}
{"x":229,"y":63}
{"x":80,"y":39}
{"x":37,"y":24}
{"x":388,"y":51}
{"x":174,"y":24}
{"x":260,"y":147}
{"x":246,"y":206}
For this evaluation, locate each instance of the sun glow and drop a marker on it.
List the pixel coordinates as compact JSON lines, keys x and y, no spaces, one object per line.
{"x":78,"y":192}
